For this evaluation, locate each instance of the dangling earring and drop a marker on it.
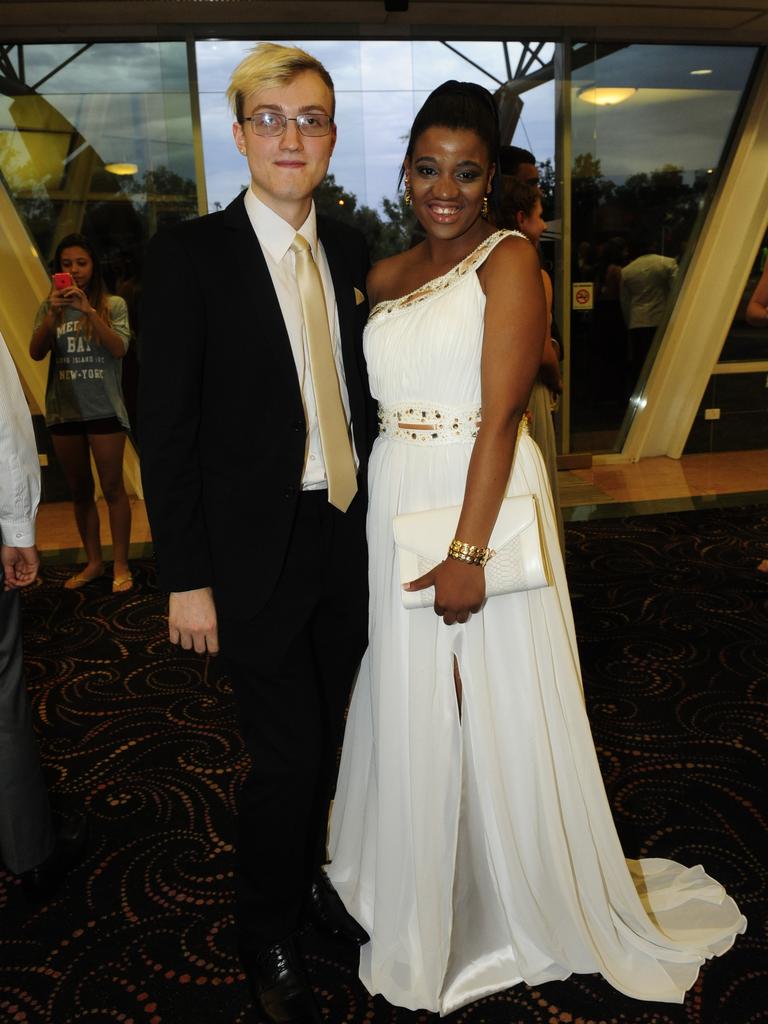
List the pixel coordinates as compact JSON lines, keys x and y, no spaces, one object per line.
{"x":407,"y":197}
{"x":484,"y":211}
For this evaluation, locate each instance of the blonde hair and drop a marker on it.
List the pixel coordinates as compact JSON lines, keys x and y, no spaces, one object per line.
{"x":267,"y":66}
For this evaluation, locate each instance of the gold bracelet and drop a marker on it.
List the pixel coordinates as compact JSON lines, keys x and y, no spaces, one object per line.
{"x":469,"y":553}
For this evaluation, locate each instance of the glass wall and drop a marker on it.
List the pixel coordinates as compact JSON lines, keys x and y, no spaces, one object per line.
{"x":379,"y":88}
{"x":650,"y":127}
{"x":733,"y":415}
{"x":97,"y":138}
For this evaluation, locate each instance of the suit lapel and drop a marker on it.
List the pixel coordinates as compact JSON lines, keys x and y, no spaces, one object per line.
{"x":257,"y":300}
{"x":345,"y":298}
{"x":349,"y":329}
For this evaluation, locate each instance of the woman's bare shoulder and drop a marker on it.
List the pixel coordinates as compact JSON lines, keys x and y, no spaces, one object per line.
{"x":385,"y":278}
{"x":512,"y":254}
{"x":512,"y":247}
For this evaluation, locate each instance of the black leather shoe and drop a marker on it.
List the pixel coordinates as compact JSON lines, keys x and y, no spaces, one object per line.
{"x":41,"y":882}
{"x":279,"y":985}
{"x":330,"y":914}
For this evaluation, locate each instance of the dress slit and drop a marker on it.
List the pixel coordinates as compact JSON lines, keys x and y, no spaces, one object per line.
{"x":457,"y":684}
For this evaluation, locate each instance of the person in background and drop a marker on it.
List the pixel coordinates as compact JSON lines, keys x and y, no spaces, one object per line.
{"x":86,"y":332}
{"x":521,"y":210}
{"x":646,"y":284}
{"x":518,"y":163}
{"x":30,"y":845}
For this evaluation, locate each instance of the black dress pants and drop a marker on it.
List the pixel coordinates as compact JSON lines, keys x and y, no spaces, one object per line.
{"x":292,"y":668}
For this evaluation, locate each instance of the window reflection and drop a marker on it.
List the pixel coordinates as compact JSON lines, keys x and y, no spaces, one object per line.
{"x":97,"y":138}
{"x":733,"y":415}
{"x":649,"y":132}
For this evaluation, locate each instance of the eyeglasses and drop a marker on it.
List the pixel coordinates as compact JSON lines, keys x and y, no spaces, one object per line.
{"x":271,"y":123}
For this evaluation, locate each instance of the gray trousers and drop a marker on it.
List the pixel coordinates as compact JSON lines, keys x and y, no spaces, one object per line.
{"x":26,"y":830}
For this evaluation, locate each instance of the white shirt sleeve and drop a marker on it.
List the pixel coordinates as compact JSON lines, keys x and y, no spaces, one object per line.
{"x":19,"y":464}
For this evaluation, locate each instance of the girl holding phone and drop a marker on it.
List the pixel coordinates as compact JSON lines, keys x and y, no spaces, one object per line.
{"x":86,"y":331}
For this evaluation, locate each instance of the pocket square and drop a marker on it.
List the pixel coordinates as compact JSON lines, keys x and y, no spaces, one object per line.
{"x":359,"y":297}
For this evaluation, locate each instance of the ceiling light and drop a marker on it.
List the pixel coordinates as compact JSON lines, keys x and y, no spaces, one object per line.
{"x":606,"y":96}
{"x":701,"y":71}
{"x":121,"y":168}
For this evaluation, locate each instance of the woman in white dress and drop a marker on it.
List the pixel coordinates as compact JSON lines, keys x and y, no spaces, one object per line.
{"x":471,"y":836}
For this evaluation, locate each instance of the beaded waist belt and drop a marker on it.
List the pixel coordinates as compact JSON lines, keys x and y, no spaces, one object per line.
{"x":429,"y":424}
{"x":441,"y":424}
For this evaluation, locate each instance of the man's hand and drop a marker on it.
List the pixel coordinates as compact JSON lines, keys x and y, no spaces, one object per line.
{"x":20,"y":566}
{"x":192,"y":620}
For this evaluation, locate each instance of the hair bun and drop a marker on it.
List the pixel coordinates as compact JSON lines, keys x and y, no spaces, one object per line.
{"x":471,"y":89}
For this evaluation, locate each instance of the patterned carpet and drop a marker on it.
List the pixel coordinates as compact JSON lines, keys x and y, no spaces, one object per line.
{"x":673,"y":626}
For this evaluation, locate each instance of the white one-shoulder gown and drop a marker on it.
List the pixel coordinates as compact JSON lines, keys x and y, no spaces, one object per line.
{"x":477,"y":847}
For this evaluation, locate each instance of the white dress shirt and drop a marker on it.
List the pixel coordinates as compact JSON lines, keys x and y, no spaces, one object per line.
{"x":275,"y":236}
{"x":19,"y":464}
{"x":645,"y":286}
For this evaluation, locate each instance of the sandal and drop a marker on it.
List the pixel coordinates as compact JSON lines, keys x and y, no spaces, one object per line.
{"x":122,"y":584}
{"x":80,"y":580}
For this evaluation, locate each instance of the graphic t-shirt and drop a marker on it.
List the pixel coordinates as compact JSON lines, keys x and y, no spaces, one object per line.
{"x":84,"y":379}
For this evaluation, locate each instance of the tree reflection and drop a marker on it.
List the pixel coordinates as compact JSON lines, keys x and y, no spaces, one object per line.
{"x":386,"y":233}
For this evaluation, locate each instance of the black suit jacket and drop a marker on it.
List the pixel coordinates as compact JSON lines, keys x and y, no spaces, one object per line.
{"x":221,"y":419}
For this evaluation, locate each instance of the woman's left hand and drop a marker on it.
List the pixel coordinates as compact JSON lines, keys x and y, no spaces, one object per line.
{"x":459,"y":589}
{"x":76,"y":298}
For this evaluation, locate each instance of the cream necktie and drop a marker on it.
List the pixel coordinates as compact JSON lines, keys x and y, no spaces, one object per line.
{"x":331,"y":418}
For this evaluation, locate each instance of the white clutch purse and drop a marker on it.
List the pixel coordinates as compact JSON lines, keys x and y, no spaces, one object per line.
{"x":520,"y":561}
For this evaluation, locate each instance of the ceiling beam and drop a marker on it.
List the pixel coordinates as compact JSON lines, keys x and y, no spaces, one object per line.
{"x":717,"y":21}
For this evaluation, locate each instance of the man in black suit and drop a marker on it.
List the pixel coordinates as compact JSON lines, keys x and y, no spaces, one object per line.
{"x":260,"y":546}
